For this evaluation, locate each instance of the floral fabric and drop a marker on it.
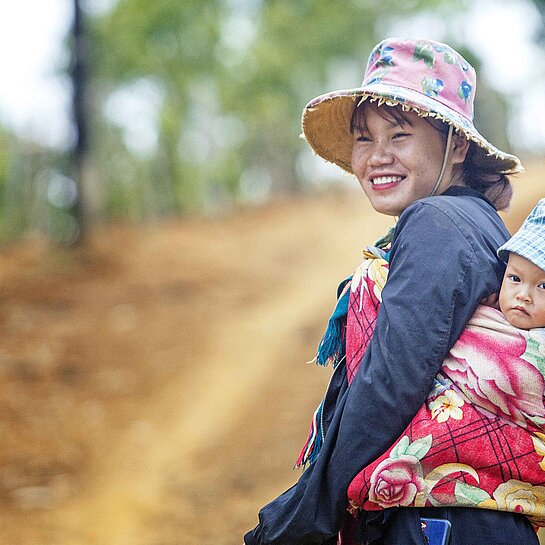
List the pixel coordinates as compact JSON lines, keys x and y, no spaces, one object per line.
{"x":430,"y":68}
{"x":479,"y":440}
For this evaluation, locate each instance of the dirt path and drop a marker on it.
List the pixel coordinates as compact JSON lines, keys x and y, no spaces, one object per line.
{"x":154,"y":383}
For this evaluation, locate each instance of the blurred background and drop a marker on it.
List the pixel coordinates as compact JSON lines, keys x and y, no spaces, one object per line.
{"x":170,"y":248}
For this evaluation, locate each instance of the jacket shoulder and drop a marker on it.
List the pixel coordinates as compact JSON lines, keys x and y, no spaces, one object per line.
{"x":472,"y":216}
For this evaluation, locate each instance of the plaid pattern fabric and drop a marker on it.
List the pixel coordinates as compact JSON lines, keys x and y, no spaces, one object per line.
{"x":479,"y":461}
{"x":479,"y":439}
{"x":365,"y":298}
{"x":360,"y":324}
{"x":529,"y":240}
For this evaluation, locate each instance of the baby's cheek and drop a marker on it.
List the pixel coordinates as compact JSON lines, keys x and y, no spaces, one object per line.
{"x":539,"y":310}
{"x":503,"y":299}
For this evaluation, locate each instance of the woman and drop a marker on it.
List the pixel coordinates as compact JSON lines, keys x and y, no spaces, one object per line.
{"x":407,"y":135}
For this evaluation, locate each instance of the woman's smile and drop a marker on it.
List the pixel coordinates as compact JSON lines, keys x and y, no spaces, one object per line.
{"x":385,"y":182}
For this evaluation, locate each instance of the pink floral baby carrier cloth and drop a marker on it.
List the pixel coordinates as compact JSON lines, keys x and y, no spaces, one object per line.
{"x":479,"y":439}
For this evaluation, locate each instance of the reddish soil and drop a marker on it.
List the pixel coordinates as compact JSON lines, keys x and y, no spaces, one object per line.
{"x":153,"y":382}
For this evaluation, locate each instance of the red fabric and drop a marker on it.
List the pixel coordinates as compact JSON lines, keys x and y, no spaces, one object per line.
{"x":477,"y":441}
{"x":360,"y":322}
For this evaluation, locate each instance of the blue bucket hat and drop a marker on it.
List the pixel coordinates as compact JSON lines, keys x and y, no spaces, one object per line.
{"x":529,"y":240}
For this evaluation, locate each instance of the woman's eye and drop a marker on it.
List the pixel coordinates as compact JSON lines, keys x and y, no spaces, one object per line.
{"x":401,"y":134}
{"x":513,"y":278}
{"x":362,"y":138}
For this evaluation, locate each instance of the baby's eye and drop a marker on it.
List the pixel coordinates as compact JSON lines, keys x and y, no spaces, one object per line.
{"x":541,"y":286}
{"x":513,"y":278}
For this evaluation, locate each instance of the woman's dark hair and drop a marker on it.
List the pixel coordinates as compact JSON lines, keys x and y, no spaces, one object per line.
{"x":494,"y":185}
{"x":485,"y":179}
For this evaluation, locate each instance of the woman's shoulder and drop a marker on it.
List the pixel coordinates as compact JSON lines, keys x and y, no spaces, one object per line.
{"x":456,"y":205}
{"x":446,"y":231}
{"x":455,"y":216}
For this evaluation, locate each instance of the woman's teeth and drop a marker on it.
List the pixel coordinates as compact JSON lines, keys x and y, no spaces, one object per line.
{"x":387,"y":180}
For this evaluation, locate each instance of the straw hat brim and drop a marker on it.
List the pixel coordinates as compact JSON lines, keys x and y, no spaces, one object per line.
{"x":326,"y":124}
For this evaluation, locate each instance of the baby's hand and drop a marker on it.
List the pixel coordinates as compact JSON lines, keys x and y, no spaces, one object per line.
{"x":491,"y":301}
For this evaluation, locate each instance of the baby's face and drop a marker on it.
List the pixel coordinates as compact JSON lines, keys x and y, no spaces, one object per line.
{"x":522,"y":294}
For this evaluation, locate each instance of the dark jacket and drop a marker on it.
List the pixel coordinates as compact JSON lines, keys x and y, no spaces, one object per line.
{"x":442,"y":264}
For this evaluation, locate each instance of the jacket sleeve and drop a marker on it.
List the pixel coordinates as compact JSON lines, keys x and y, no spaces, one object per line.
{"x":437,"y":277}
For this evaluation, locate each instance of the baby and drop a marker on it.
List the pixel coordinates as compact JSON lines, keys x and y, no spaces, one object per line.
{"x":522,"y":293}
{"x":479,"y":440}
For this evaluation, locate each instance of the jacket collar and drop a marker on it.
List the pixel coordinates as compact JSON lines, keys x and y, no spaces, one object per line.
{"x":460,"y":191}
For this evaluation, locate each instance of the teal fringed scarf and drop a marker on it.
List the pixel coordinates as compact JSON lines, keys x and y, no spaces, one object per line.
{"x":332,"y":350}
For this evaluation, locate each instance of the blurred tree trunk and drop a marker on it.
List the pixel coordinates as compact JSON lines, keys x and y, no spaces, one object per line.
{"x":79,"y":82}
{"x":170,"y":199}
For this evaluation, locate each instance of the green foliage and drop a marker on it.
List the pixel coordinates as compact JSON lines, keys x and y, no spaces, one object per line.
{"x":221,"y":85}
{"x":5,"y":164}
{"x":33,"y":190}
{"x":234,"y":76}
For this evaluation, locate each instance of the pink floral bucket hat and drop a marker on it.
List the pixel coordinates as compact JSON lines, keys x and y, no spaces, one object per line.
{"x":423,"y":76}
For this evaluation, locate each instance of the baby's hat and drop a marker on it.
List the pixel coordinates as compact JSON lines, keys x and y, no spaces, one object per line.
{"x":529,"y":240}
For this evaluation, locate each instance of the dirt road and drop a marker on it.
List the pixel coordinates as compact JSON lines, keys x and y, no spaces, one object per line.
{"x":154,"y":385}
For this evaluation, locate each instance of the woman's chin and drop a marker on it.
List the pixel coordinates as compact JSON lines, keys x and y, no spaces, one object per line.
{"x":388,"y":209}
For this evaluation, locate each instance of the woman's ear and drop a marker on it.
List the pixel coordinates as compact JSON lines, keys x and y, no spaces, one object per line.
{"x":459,"y":149}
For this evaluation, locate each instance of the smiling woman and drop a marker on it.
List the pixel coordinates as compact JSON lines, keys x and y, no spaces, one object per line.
{"x":407,"y":134}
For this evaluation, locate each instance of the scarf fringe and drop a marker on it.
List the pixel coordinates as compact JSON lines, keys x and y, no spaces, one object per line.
{"x":332,"y":349}
{"x":315,"y":439}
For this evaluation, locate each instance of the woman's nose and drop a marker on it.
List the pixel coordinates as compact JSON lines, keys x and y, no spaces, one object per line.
{"x":380,"y":155}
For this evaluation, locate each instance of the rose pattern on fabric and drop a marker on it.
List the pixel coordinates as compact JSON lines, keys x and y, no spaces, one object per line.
{"x":396,"y":482}
{"x":487,"y":365}
{"x":520,"y":497}
{"x":399,"y":480}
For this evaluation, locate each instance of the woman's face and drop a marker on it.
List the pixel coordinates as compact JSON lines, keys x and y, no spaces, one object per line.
{"x":398,"y":162}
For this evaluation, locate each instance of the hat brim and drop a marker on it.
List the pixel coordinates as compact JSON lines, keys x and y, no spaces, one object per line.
{"x":526,"y":243}
{"x":326,"y":124}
